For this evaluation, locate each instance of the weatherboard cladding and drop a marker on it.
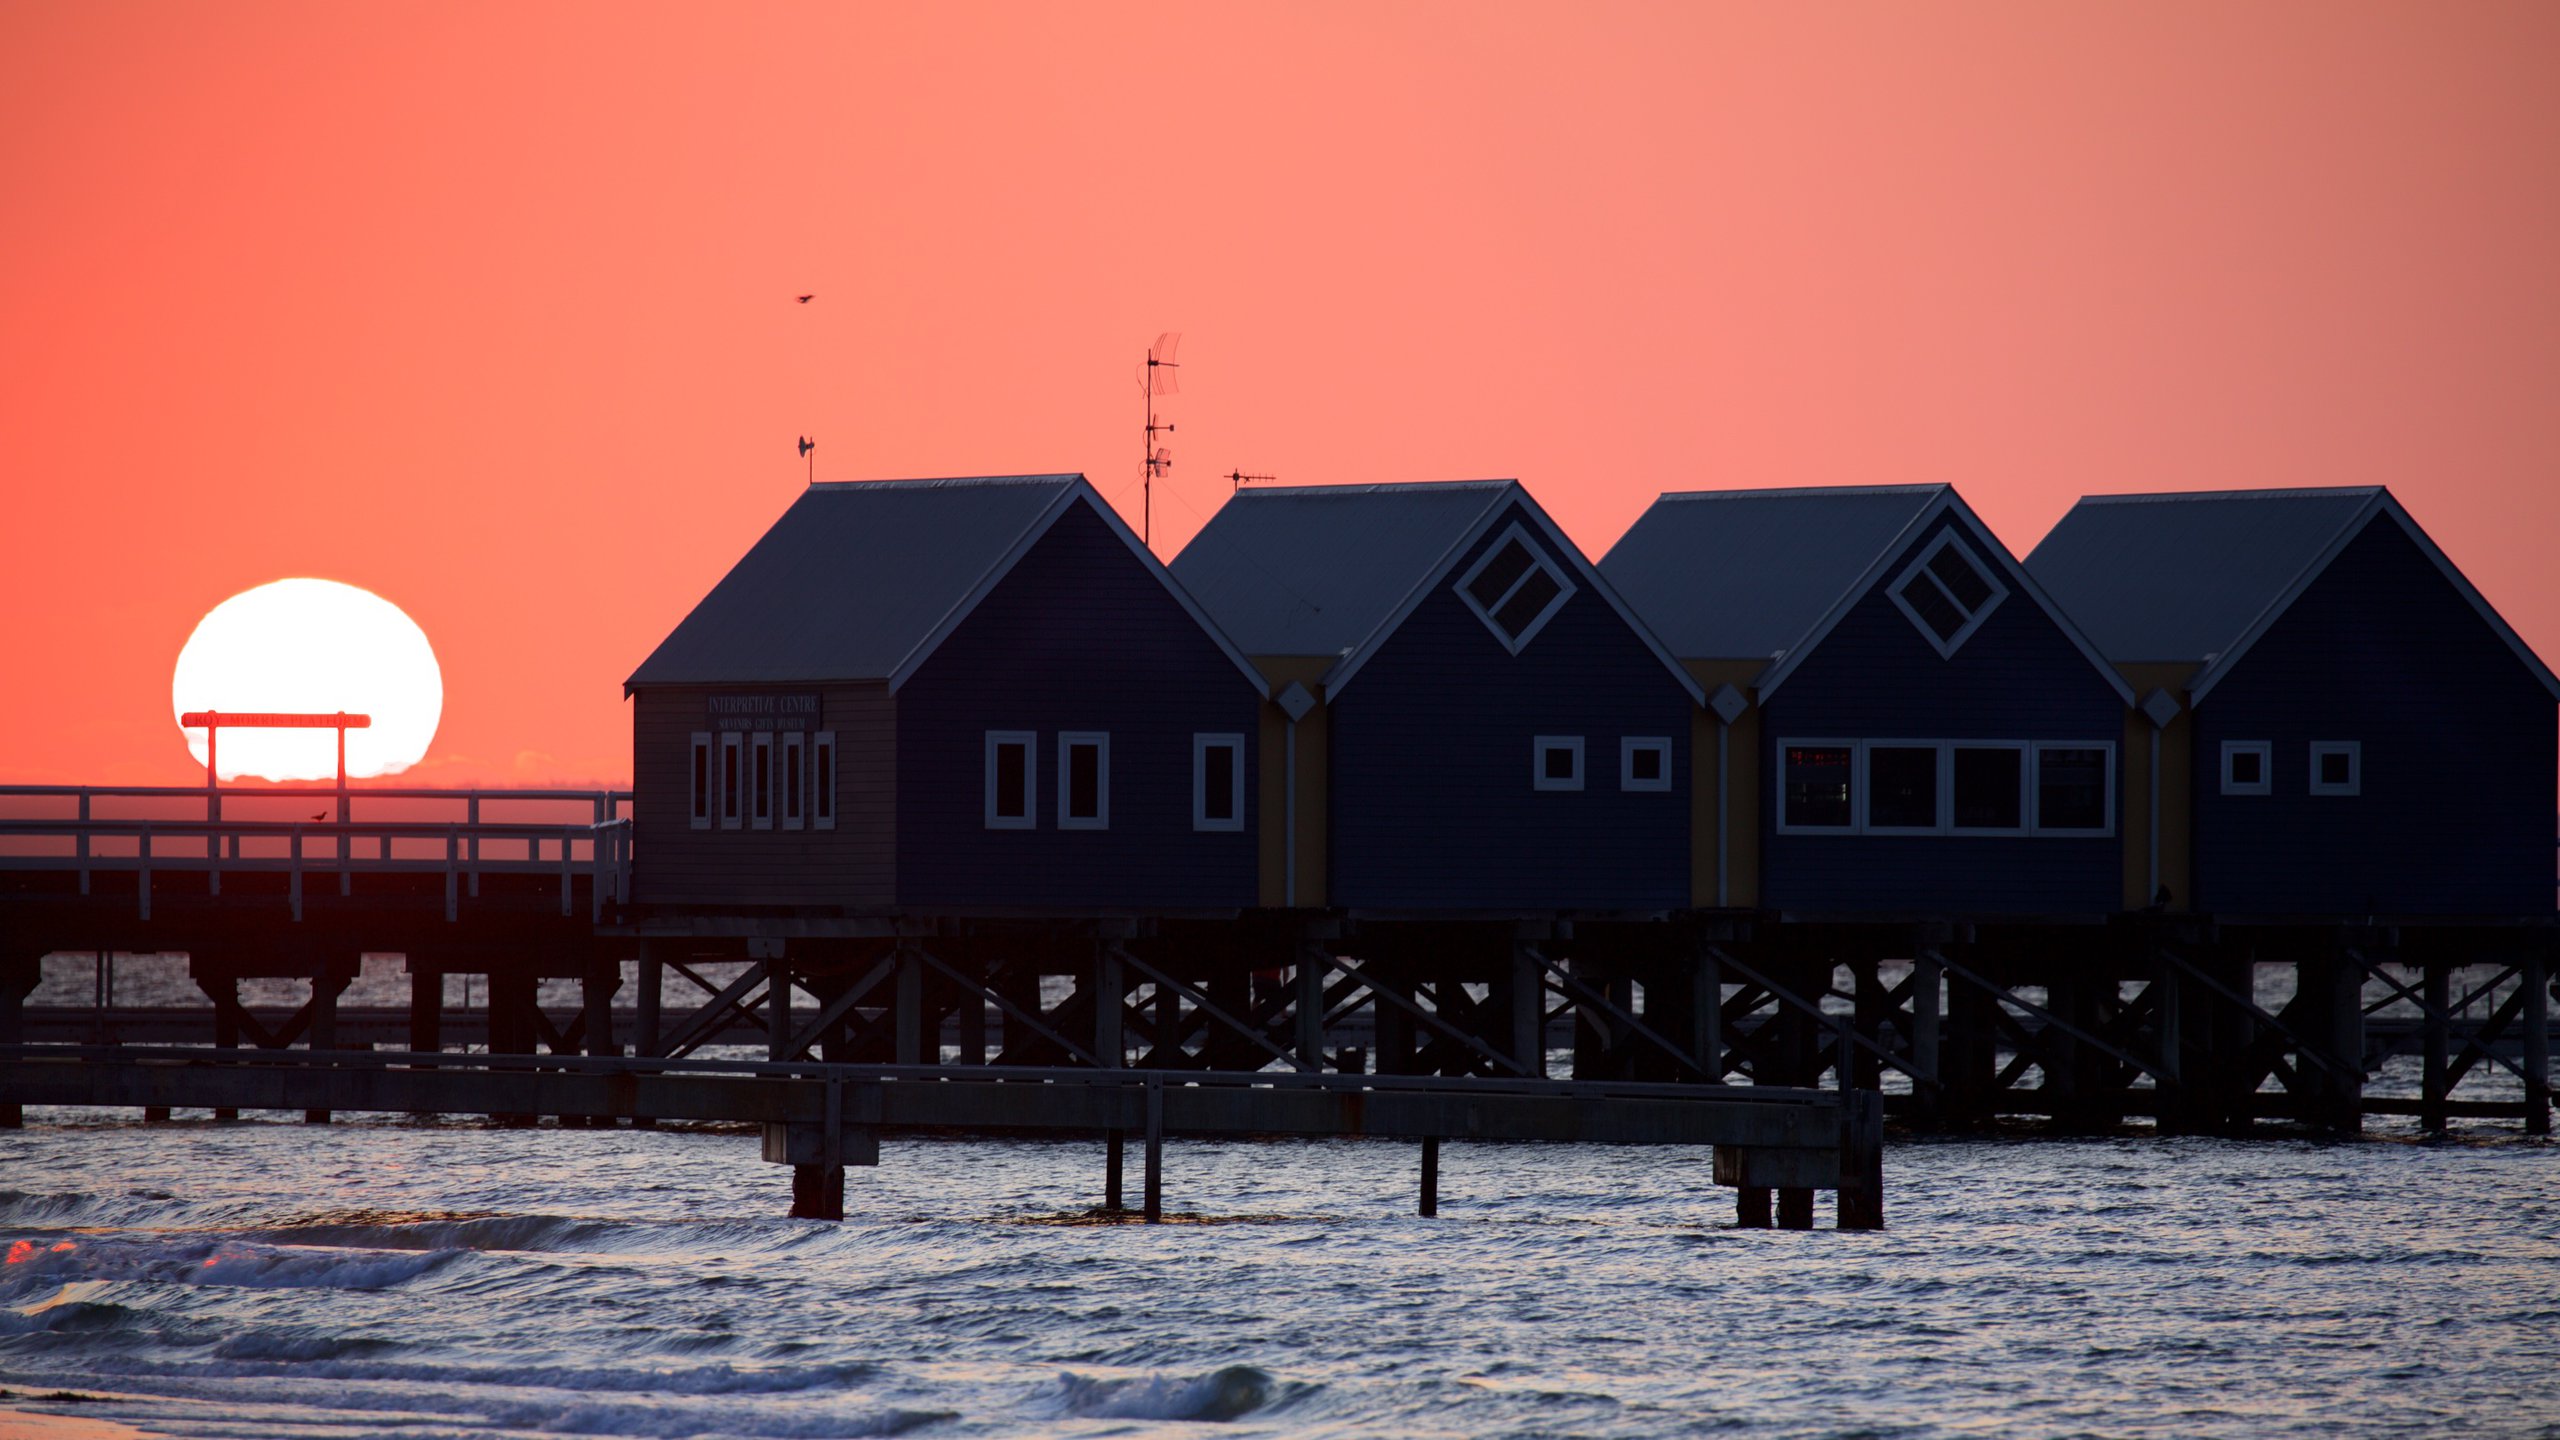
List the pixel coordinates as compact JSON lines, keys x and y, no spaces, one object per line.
{"x":2458,"y":770}
{"x":1736,"y":574}
{"x":851,"y":580}
{"x":2019,"y":676}
{"x":853,"y":865}
{"x":1432,"y":805}
{"x":1314,"y":570}
{"x":1079,"y":635}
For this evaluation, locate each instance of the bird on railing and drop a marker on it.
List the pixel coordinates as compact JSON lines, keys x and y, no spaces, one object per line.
{"x":323,"y":815}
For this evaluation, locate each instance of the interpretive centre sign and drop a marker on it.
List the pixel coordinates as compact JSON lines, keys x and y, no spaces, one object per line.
{"x":764,"y":712}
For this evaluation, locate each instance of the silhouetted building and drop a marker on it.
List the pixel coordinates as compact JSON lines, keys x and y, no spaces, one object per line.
{"x":1478,"y":721}
{"x":2359,"y":733}
{"x":1914,"y":726}
{"x":947,"y":694}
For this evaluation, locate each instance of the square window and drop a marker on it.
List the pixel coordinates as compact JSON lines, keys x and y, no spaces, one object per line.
{"x":700,"y":773}
{"x":1013,"y":775}
{"x":1084,"y":780}
{"x":2337,"y":767}
{"x":1902,"y":787}
{"x":1217,"y":782}
{"x":1990,"y":788}
{"x":1948,"y":592}
{"x":1558,"y":762}
{"x":1514,"y":588}
{"x":1644,"y":762}
{"x":2247,"y":767}
{"x":732,"y":782}
{"x":822,"y":780}
{"x":2075,"y":789}
{"x":1815,"y":784}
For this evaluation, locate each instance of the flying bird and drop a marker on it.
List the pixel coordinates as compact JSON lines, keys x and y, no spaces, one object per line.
{"x":805,"y":299}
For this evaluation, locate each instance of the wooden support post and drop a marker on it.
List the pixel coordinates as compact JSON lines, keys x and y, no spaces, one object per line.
{"x":1390,"y":1025}
{"x":2061,"y":1051}
{"x":1795,"y":1208}
{"x":1928,"y":982}
{"x":817,"y":1192}
{"x":1113,"y":1142}
{"x":1706,"y":1014}
{"x":2534,"y":974}
{"x":2433,"y":1086}
{"x":1155,"y":1149}
{"x":2339,"y":1029}
{"x":910,"y":1009}
{"x":652,"y":980}
{"x":1859,"y":1067}
{"x":326,"y":985}
{"x":512,"y":998}
{"x":1528,"y":1008}
{"x":426,"y":1009}
{"x":1861,"y":1192}
{"x":970,"y":1008}
{"x":225,"y":995}
{"x":1109,"y":990}
{"x":2168,"y":1051}
{"x":17,"y":980}
{"x":1430,"y":1175}
{"x":777,"y":1003}
{"x":1751,"y":1207}
{"x":1310,"y":1001}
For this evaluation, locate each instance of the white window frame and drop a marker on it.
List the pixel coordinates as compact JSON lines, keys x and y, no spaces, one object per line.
{"x":795,"y":790}
{"x":1201,"y":744}
{"x":1918,"y":572}
{"x":702,"y":782}
{"x":1100,"y":740}
{"x":1857,"y":784}
{"x":2265,"y":750}
{"x":822,"y":792}
{"x":1539,"y":559}
{"x":1862,"y":790}
{"x":760,"y":767}
{"x":2035,"y":789}
{"x":2021,"y":751}
{"x":732,"y":779}
{"x":1538,"y":748}
{"x":1029,"y":740}
{"x":1628,"y":746}
{"x":2354,"y":751}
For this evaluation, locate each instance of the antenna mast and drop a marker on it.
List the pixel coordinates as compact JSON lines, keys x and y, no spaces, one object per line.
{"x":1157,"y":379}
{"x":1241,"y":479}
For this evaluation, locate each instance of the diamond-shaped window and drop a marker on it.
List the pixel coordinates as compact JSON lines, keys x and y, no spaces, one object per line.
{"x":1948,"y":592}
{"x":1515,"y":589}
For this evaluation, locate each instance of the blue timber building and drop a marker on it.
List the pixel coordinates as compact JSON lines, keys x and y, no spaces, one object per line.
{"x":947,"y":695}
{"x":2358,"y":733}
{"x":1465,"y":718}
{"x":1912,"y":726}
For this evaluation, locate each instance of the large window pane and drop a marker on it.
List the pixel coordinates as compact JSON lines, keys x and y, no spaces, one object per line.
{"x":2071,"y":788}
{"x":1084,"y":782}
{"x":1902,"y":787}
{"x":1013,"y":785}
{"x":1817,"y":785}
{"x":1987,"y":788}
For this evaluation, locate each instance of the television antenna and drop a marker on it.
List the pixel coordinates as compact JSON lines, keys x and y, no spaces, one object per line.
{"x":1241,"y":479}
{"x":1158,"y":378}
{"x":807,"y":448}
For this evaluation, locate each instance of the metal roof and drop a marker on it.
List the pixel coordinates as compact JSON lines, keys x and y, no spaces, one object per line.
{"x":1315,"y":569}
{"x":2183,"y":577}
{"x":1745,"y":574}
{"x":861,"y":580}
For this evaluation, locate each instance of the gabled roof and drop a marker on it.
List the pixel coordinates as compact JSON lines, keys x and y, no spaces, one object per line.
{"x":863,"y":580}
{"x":1333,"y":570}
{"x":2199,"y":576}
{"x":1754,"y":574}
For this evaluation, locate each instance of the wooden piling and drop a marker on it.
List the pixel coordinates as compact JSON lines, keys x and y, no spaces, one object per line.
{"x":2437,"y":986}
{"x":17,"y":979}
{"x":1751,"y":1207}
{"x":1430,"y":1175}
{"x":2534,"y":974}
{"x":1795,"y":1208}
{"x":1113,"y":1141}
{"x":1861,"y":1192}
{"x":1155,"y":1149}
{"x":326,"y":985}
{"x":817,"y":1192}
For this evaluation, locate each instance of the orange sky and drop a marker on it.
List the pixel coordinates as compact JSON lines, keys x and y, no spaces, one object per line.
{"x":487,"y":309}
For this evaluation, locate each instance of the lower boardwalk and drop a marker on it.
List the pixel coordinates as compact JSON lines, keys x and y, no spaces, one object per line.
{"x":820,"y":1118}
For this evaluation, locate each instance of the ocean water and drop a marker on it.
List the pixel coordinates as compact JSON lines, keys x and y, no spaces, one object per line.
{"x":269,"y":1279}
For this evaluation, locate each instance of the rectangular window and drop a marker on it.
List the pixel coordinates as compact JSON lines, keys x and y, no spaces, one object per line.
{"x":1013,"y":777}
{"x":1084,"y":780}
{"x":2075,"y":789}
{"x":1644,"y":762}
{"x":2337,"y":767}
{"x":2248,"y":767}
{"x":795,"y":780}
{"x":1217,"y":782}
{"x":733,"y":801}
{"x":762,"y":755}
{"x":1902,"y":787}
{"x":700,"y":771}
{"x":1990,"y":788}
{"x":822,"y":781}
{"x":1815,"y":784}
{"x":1555,"y":762}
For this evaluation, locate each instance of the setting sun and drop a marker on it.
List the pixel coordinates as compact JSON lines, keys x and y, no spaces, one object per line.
{"x":311,"y":645}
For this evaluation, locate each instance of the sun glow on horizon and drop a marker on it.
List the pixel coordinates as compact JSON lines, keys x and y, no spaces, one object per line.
{"x":311,"y":645}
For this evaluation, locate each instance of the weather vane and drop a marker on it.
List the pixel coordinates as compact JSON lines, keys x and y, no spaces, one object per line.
{"x":1156,"y":379}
